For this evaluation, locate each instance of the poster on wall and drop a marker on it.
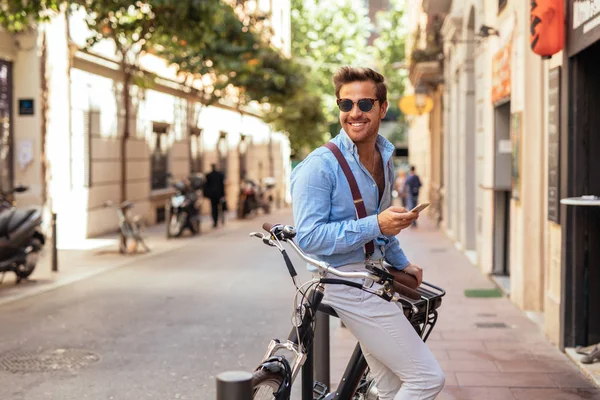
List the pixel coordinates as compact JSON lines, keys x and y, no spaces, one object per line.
{"x":516,"y":125}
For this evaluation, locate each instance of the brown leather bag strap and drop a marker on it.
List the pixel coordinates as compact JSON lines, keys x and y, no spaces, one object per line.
{"x":359,"y":203}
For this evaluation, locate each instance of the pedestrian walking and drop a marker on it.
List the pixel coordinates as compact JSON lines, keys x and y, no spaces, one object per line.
{"x":413,"y":185}
{"x":400,"y":187}
{"x":325,"y":217}
{"x":214,"y":189}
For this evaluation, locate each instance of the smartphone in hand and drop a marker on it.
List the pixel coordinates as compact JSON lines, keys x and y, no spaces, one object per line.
{"x":420,"y":207}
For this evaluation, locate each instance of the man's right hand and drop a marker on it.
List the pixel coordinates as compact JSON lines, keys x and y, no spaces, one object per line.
{"x":394,"y":219}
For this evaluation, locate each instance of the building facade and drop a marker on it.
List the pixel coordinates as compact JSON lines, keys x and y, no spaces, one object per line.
{"x":518,"y":138}
{"x":64,"y":128}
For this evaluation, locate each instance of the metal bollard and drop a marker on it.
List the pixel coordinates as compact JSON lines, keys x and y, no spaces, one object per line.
{"x":308,"y":375}
{"x":234,"y":385}
{"x":321,"y":349}
{"x":54,"y":244}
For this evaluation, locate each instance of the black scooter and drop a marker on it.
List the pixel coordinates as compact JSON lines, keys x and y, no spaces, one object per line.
{"x":21,"y":239}
{"x":184,"y":210}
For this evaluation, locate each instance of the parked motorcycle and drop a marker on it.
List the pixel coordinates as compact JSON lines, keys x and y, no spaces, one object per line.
{"x":184,"y":206}
{"x":256,"y":197}
{"x":21,"y":239}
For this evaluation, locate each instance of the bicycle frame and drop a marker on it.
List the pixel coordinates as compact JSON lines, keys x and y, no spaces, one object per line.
{"x":422,"y":315}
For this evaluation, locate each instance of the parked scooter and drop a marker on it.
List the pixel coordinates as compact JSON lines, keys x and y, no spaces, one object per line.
{"x":21,"y":239}
{"x":7,"y":199}
{"x":184,"y":206}
{"x":256,"y":197}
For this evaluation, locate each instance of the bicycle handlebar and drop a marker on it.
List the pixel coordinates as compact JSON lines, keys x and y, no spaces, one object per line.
{"x":286,"y":234}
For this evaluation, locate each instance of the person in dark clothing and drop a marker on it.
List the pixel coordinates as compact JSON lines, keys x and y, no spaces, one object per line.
{"x":214,"y":189}
{"x":412,"y":186}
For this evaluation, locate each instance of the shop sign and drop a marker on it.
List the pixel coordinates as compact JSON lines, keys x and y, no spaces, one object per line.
{"x":584,"y":24}
{"x":501,"y":61}
{"x":501,"y":73}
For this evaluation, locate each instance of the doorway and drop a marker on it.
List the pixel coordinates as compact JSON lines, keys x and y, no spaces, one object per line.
{"x":6,"y":170}
{"x":582,"y":267}
{"x":502,"y":191}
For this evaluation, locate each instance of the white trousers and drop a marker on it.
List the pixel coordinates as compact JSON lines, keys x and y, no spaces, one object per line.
{"x":401,"y":364}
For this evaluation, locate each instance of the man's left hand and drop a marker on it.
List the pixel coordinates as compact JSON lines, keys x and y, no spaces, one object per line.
{"x":415,"y":271}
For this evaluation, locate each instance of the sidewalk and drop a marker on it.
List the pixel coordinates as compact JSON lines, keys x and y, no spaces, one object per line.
{"x":90,"y":257}
{"x":510,"y":359}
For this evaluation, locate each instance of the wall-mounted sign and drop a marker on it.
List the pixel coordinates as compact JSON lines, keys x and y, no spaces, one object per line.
{"x":554,"y":145}
{"x":502,"y":60}
{"x":584,"y":24}
{"x":501,"y":73}
{"x":26,"y":107}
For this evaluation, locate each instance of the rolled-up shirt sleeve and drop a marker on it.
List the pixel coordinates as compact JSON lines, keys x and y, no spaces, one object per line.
{"x":312,"y":185}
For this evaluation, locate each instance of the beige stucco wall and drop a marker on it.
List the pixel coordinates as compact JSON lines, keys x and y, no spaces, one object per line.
{"x":419,"y":153}
{"x":81,"y":83}
{"x":553,"y":240}
{"x":23,"y":51}
{"x":527,"y":218}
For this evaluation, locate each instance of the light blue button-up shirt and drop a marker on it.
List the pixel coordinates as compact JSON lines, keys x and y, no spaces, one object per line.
{"x":324,"y":213}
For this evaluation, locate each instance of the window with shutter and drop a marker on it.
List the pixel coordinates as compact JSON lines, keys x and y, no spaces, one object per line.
{"x":196,"y":151}
{"x":159,"y":160}
{"x":222,"y":152}
{"x":91,"y":130}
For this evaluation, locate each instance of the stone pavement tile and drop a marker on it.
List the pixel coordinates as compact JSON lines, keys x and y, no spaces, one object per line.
{"x":573,"y":380}
{"x":463,"y":393}
{"x":450,"y":379}
{"x":491,"y":355}
{"x":534,"y":366}
{"x":456,"y":345}
{"x":468,"y":366}
{"x":539,"y":345}
{"x":440,"y":354}
{"x":489,"y":335}
{"x":556,"y":394}
{"x":505,"y":379}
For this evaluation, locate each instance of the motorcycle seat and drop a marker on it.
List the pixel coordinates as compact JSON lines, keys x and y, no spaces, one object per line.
{"x":11,"y":220}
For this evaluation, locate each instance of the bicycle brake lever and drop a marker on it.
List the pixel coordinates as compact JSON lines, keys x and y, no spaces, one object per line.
{"x":257,"y":234}
{"x":268,"y":241}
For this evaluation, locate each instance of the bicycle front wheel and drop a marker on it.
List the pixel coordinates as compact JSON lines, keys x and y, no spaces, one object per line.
{"x":265,"y":384}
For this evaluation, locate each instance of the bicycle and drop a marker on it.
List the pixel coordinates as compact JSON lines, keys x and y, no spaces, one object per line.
{"x":130,"y":228}
{"x":275,"y":375}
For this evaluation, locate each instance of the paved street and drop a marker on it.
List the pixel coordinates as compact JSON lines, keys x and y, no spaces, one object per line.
{"x":162,"y":325}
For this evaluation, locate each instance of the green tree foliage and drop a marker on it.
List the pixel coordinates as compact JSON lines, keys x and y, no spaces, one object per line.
{"x":19,"y":15}
{"x":390,"y":48}
{"x":325,"y":36}
{"x":204,"y":39}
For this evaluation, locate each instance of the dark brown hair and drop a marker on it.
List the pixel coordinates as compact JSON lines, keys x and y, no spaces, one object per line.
{"x":348,"y":74}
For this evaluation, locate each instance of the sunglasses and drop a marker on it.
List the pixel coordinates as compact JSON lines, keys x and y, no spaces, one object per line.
{"x":364,"y":105}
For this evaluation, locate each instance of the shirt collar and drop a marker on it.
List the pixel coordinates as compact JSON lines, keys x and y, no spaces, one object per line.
{"x":384,"y":145}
